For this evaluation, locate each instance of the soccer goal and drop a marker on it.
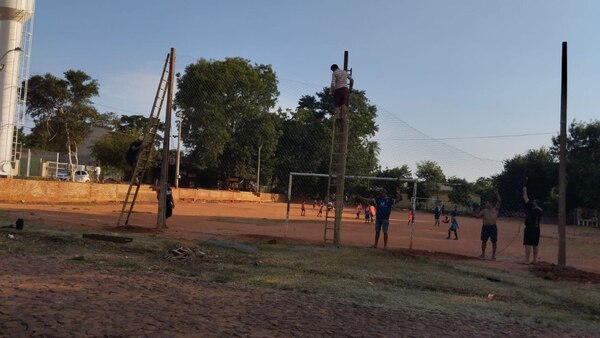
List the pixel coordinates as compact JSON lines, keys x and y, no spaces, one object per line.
{"x":308,"y":191}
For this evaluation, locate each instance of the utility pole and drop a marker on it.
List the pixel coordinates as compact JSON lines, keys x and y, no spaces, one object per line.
{"x":341,"y":121}
{"x":164,"y":174}
{"x":179,"y":115}
{"x":258,"y":171}
{"x":562,"y":166}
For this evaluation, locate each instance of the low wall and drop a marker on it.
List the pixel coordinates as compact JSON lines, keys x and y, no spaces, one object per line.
{"x":34,"y":191}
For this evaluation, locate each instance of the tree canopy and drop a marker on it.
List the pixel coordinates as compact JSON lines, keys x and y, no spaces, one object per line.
{"x":61,"y":109}
{"x":540,"y":169}
{"x":226,"y":108}
{"x":431,"y":176}
{"x":583,"y":164}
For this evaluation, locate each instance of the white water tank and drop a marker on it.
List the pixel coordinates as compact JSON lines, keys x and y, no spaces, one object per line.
{"x":13,"y":15}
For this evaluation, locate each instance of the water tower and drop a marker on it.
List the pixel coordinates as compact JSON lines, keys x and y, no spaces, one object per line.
{"x":13,"y":16}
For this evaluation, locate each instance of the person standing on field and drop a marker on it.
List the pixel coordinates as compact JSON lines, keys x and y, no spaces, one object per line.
{"x":384,"y":205}
{"x":531,"y":233}
{"x":489,"y":229}
{"x":358,"y":210}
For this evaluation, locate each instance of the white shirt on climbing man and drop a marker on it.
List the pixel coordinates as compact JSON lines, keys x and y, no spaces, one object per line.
{"x":339,"y":79}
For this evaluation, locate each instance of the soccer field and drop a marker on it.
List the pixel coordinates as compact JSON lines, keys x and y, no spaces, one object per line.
{"x":251,"y":221}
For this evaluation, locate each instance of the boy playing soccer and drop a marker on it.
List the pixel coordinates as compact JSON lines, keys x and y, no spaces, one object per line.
{"x":453,"y":227}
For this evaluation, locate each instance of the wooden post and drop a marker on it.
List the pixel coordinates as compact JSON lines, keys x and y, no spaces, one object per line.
{"x":562,"y":167}
{"x":164,"y":174}
{"x":341,"y":121}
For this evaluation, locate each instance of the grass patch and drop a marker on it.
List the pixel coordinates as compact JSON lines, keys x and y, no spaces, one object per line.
{"x":361,"y":276}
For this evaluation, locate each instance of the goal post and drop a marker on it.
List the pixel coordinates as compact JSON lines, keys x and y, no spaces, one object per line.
{"x":350,"y":177}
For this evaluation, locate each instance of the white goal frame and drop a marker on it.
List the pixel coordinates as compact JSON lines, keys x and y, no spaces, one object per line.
{"x":413,"y":203}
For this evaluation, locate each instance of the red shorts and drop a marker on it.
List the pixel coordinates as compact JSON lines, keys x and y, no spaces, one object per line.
{"x":340,"y":97}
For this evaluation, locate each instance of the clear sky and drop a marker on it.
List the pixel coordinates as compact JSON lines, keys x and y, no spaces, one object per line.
{"x":435,"y":69}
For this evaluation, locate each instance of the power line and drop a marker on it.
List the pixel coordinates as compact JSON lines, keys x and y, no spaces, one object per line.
{"x":466,"y":137}
{"x":429,"y":138}
{"x":116,"y":108}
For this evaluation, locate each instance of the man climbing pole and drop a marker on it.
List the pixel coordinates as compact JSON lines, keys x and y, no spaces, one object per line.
{"x":341,"y":83}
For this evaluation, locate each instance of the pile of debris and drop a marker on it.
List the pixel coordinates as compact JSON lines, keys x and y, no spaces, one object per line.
{"x":181,"y":252}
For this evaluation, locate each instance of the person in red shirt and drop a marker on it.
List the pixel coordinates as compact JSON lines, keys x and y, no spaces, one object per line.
{"x":320,"y":213}
{"x":303,"y":209}
{"x":358,"y":210}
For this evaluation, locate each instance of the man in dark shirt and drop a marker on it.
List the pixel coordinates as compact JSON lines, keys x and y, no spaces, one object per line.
{"x":132,"y":153}
{"x":531,"y":234}
{"x":383,"y":204}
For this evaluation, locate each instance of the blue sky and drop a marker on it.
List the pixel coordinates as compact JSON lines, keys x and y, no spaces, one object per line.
{"x":435,"y":69}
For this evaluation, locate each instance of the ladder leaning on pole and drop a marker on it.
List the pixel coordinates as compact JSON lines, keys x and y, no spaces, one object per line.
{"x":146,"y":148}
{"x":337,"y":172}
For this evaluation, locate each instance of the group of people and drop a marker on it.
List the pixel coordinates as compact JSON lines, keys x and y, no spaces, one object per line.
{"x":369,"y":211}
{"x":531,"y":233}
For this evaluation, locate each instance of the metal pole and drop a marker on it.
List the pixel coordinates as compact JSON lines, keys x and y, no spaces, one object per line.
{"x":258,"y":172}
{"x":57,"y":158}
{"x":289,"y":199}
{"x":164,"y":176}
{"x":414,"y":209}
{"x":178,"y":158}
{"x":562,"y":166}
{"x":346,"y":60}
{"x":28,"y":161}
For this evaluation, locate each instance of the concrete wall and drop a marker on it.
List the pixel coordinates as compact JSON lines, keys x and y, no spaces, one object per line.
{"x":38,"y":191}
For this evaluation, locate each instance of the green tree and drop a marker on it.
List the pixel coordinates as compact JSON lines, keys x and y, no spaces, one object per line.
{"x":461,"y":191}
{"x":61,"y":110}
{"x":431,"y":176}
{"x":391,"y":186}
{"x":540,"y":169}
{"x":583,"y":164}
{"x":110,"y":150}
{"x":226,"y":115}
{"x":483,"y":184}
{"x":306,"y":139}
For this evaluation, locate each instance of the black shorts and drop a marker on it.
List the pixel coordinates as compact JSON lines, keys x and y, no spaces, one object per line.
{"x":489,"y":231}
{"x":531,"y":235}
{"x":340,"y":97}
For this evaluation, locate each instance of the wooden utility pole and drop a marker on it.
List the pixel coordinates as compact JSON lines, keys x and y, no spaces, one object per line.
{"x":341,"y":124}
{"x":164,"y":173}
{"x":562,"y":166}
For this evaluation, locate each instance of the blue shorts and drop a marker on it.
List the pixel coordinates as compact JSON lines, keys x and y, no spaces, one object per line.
{"x":382,"y":223}
{"x":489,"y":231}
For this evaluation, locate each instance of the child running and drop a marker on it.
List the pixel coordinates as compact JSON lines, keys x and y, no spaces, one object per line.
{"x":367,"y":213}
{"x":358,"y":210}
{"x":303,"y":209}
{"x":320,"y":213}
{"x":453,"y":226}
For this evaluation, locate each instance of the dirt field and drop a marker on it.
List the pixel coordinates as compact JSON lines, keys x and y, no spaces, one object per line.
{"x":197,"y":221}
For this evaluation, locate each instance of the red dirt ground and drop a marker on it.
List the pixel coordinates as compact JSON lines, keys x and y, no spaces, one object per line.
{"x":45,"y":296}
{"x":197,"y":221}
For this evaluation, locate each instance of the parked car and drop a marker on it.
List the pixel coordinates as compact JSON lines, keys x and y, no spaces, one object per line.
{"x":81,"y":176}
{"x":63,"y":176}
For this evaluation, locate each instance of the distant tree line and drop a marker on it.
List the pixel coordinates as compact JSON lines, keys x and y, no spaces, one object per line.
{"x":229,"y":115}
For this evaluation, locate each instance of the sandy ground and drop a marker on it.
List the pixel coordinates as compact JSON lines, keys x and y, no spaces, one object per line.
{"x":197,"y":221}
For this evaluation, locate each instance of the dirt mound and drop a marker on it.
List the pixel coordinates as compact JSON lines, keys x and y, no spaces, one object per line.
{"x":563,"y":273}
